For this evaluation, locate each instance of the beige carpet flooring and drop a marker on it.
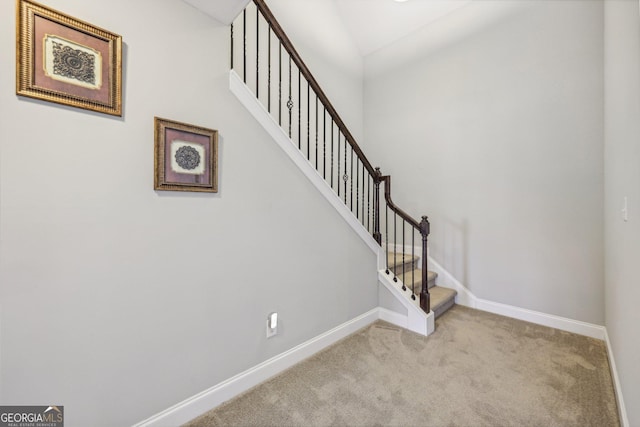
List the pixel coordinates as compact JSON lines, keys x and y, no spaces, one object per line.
{"x":476,"y":369}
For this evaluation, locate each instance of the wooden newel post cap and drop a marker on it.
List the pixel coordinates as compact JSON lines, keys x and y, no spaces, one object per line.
{"x":424,"y":226}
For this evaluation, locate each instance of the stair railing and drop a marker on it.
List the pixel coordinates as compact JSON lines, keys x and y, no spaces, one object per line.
{"x":401,"y":238}
{"x":291,"y":95}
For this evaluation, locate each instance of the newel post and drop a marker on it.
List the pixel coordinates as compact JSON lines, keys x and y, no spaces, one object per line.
{"x":425,"y":300}
{"x":376,"y":207}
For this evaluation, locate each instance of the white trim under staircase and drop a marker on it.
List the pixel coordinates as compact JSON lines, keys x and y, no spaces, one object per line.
{"x":416,"y":319}
{"x":259,"y":112}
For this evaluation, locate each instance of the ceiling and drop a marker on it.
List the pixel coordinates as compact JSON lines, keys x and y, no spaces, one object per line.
{"x":224,"y":11}
{"x":374,"y":24}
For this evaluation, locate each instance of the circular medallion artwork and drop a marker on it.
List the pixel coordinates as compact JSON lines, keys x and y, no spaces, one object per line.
{"x":73,"y":63}
{"x":187,"y":157}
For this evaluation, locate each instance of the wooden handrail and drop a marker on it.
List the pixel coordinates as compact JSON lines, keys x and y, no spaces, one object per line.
{"x":286,"y":43}
{"x":387,"y":196}
{"x":423,"y":227}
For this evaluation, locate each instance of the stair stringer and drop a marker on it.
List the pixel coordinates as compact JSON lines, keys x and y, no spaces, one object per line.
{"x":248,"y":99}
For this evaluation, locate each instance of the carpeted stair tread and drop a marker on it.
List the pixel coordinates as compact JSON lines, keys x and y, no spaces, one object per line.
{"x":415,"y":277}
{"x":441,"y":299}
{"x":396,"y":260}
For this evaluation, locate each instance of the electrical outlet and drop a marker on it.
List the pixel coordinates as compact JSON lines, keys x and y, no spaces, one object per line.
{"x":272,"y":324}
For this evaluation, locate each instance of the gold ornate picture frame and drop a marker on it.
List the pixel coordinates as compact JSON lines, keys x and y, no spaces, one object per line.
{"x":64,"y":60}
{"x":186,"y":157}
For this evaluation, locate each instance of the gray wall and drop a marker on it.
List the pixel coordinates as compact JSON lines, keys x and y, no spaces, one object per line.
{"x":622,"y":178}
{"x":497,"y":136}
{"x":118,"y":301}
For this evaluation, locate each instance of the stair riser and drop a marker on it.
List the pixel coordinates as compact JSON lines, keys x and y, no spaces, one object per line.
{"x":418,"y":285}
{"x":415,"y":277}
{"x":408,"y":266}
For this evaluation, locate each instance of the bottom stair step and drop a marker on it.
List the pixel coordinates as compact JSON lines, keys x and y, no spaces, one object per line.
{"x":442,"y":299}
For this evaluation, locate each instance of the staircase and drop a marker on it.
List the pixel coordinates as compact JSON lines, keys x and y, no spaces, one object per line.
{"x":269,"y":77}
{"x":404,"y":267}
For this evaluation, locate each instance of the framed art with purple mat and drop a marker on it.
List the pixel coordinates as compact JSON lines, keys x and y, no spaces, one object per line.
{"x":67,"y":61}
{"x":186,"y":157}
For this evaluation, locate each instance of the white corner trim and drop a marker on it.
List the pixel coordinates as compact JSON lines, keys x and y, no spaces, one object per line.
{"x":202,"y":402}
{"x":544,"y":319}
{"x":467,"y":298}
{"x":260,"y":113}
{"x":622,"y":410}
{"x":419,"y":323}
{"x":417,"y":320}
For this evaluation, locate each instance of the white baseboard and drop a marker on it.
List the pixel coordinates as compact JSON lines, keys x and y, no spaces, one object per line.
{"x":220,"y":393}
{"x":467,"y":298}
{"x":226,"y":390}
{"x":622,"y":410}
{"x":550,"y":320}
{"x":393,"y":318}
